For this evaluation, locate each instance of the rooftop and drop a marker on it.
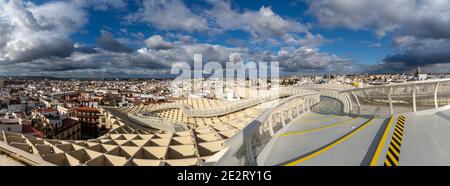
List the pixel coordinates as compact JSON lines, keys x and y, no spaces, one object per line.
{"x":86,"y":109}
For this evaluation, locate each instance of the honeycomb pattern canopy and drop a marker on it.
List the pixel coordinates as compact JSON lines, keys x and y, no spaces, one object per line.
{"x":128,"y":144}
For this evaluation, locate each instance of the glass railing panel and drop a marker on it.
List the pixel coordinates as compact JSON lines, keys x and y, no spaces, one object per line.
{"x":425,"y":96}
{"x":277,"y":125}
{"x":443,"y":94}
{"x":372,"y":101}
{"x":402,"y":99}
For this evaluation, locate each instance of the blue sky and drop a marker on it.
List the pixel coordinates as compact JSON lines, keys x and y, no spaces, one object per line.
{"x":346,"y":42}
{"x":145,"y":37}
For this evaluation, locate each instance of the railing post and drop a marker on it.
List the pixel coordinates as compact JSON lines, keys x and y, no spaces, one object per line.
{"x":308,"y":105}
{"x":318,"y":99}
{"x":357,"y":100}
{"x":270,"y":126}
{"x":414,"y":99}
{"x":294,"y":111}
{"x":282,"y":118}
{"x":349,"y":103}
{"x":391,"y":106}
{"x":290,"y":113}
{"x":435,"y":96}
{"x":303,"y":106}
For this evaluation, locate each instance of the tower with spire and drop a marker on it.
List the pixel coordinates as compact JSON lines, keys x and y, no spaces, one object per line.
{"x":418,"y":72}
{"x":419,"y":75}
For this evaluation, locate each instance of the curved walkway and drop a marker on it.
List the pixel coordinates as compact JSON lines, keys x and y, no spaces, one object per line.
{"x":145,"y":118}
{"x":321,"y":138}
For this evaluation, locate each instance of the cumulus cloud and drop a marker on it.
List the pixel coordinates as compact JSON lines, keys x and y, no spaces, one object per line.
{"x":305,"y":59}
{"x":157,"y":42}
{"x":36,"y":40}
{"x":309,"y":40}
{"x":170,"y":15}
{"x":261,"y":24}
{"x":152,"y":62}
{"x":78,"y":47}
{"x":420,"y":30}
{"x":107,"y":41}
{"x":422,"y":18}
{"x":102,"y":60}
{"x":221,"y":17}
{"x":102,"y":4}
{"x":30,"y":32}
{"x":411,"y":52}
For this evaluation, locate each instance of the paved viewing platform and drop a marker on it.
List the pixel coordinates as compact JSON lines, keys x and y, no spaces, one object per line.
{"x":388,"y":125}
{"x":7,"y":161}
{"x":309,"y":125}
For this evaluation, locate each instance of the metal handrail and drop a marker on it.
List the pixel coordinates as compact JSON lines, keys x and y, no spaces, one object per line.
{"x":400,"y":84}
{"x":413,"y":94}
{"x":244,"y":147}
{"x":228,"y":108}
{"x":158,"y":123}
{"x":174,"y":126}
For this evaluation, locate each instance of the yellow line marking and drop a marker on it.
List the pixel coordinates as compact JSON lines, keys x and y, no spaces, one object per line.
{"x":318,"y":128}
{"x":398,"y":130}
{"x":391,"y":157}
{"x":396,"y":138}
{"x":395,"y":152}
{"x":376,"y":156}
{"x":388,"y":163}
{"x":347,"y":136}
{"x":396,"y":144}
{"x":317,"y":119}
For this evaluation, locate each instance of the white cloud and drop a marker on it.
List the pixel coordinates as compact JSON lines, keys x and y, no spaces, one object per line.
{"x":312,"y":60}
{"x":102,"y":4}
{"x":263,"y":23}
{"x":29,"y":31}
{"x":158,"y":43}
{"x":169,"y":15}
{"x":421,"y":18}
{"x":36,"y":40}
{"x":420,"y":28}
{"x":174,"y":15}
{"x":108,"y":42}
{"x":309,"y":40}
{"x":85,"y":60}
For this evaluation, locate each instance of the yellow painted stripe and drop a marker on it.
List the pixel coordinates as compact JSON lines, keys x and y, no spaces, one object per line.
{"x":395,"y":137}
{"x":395,"y":152}
{"x":400,"y":134}
{"x":396,"y":145}
{"x":377,"y":154}
{"x":398,"y":138}
{"x":318,"y":128}
{"x":398,"y":130}
{"x":388,"y":163}
{"x":296,"y":162}
{"x":391,"y":157}
{"x":317,"y":119}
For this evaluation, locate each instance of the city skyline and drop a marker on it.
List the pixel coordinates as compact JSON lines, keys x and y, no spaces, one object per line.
{"x":143,"y":39}
{"x":224,"y":91}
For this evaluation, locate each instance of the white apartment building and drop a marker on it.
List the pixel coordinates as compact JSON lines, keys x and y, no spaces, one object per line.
{"x":10,"y":122}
